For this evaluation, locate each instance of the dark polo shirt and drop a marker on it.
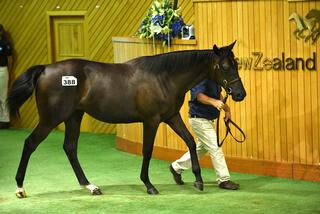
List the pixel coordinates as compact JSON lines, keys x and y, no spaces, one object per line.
{"x":209,"y":88}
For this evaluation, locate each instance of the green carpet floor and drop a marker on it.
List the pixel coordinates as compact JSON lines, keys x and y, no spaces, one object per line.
{"x":52,"y":187}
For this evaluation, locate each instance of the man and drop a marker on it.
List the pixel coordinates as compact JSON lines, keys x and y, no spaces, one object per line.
{"x":5,"y":52}
{"x":204,"y":107}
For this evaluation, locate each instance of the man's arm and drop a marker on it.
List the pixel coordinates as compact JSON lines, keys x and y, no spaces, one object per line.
{"x":204,"y":99}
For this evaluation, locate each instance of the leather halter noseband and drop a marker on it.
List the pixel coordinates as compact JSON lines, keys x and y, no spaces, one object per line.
{"x":227,"y":84}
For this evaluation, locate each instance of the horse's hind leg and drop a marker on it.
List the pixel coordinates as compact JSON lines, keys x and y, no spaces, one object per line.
{"x":70,"y":147}
{"x":177,"y":124}
{"x":30,"y":145}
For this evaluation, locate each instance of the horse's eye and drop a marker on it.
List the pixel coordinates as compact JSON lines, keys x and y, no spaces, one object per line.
{"x":225,"y":66}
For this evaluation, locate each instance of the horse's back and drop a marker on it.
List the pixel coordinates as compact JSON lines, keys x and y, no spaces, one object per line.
{"x":114,"y":93}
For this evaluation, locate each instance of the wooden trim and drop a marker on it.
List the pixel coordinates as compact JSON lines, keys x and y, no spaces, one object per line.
{"x":197,"y":1}
{"x":86,"y":33}
{"x":266,"y":168}
{"x":149,"y":41}
{"x":306,"y":172}
{"x":49,"y":39}
{"x":67,"y":13}
{"x":208,"y":0}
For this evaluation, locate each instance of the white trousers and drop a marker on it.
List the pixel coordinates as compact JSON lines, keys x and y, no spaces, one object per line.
{"x":4,"y":78}
{"x":206,"y":142}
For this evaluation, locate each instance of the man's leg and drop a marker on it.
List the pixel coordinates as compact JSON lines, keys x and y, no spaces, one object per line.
{"x":208,"y":137}
{"x":184,"y":163}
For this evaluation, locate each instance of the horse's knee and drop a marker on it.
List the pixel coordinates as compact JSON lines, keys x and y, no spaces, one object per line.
{"x":29,"y":145}
{"x":190,"y":142}
{"x":192,"y":147}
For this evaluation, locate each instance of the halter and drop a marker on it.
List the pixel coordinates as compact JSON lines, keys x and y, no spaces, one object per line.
{"x":226,"y":83}
{"x":228,"y":89}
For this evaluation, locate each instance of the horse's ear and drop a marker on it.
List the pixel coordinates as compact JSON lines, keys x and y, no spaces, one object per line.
{"x":216,"y":49}
{"x":232,"y":45}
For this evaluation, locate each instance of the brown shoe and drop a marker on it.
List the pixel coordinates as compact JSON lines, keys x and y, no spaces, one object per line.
{"x":229,"y":185}
{"x":176,"y":176}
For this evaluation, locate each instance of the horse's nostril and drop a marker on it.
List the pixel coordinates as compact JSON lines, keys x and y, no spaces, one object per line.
{"x":240,"y":94}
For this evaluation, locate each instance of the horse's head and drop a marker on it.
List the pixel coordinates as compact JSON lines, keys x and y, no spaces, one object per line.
{"x":225,"y":72}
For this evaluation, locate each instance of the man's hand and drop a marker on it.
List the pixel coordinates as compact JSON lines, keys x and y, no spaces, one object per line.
{"x":218,"y":104}
{"x":227,"y":112}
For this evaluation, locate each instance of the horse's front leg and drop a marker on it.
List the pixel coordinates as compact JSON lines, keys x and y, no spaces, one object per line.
{"x":177,"y":124}
{"x":149,"y":133}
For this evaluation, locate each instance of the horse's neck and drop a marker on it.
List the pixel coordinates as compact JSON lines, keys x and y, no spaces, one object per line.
{"x":189,"y":77}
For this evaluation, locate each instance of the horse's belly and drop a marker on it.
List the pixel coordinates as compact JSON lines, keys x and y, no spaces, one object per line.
{"x":113,"y":113}
{"x":114,"y":118}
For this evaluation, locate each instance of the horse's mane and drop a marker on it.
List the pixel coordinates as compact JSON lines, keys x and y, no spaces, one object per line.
{"x":174,"y":61}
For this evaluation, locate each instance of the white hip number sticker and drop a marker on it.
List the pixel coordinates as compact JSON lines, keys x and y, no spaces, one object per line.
{"x":69,"y":81}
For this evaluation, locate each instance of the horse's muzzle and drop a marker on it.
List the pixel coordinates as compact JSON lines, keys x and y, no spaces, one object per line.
{"x":238,"y":95}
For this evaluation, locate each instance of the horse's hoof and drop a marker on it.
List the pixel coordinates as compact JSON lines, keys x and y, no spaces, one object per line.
{"x":20,"y":193}
{"x":198,"y":185}
{"x":93,"y":189}
{"x":96,"y":192}
{"x":152,"y":191}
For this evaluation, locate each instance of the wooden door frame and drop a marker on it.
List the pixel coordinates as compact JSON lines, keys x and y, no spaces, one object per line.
{"x":51,"y":14}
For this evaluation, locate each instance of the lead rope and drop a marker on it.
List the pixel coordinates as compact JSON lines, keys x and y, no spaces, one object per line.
{"x":228,"y":130}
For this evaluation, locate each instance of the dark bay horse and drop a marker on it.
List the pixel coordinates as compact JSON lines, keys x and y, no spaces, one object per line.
{"x":148,"y":89}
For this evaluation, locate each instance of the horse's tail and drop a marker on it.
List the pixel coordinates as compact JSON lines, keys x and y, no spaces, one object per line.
{"x":22,"y":88}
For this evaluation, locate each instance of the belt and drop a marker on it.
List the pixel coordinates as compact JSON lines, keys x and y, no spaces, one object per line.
{"x":196,"y":116}
{"x":193,"y":116}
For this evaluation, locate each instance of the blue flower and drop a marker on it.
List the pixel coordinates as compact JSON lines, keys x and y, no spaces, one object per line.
{"x":157,"y":19}
{"x":176,"y":27}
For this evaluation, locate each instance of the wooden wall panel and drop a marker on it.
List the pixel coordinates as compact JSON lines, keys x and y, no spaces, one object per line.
{"x":280,"y":114}
{"x":25,"y":20}
{"x":281,"y":111}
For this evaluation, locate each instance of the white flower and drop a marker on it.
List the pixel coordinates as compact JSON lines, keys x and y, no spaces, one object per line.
{"x":157,"y":4}
{"x":155,"y":28}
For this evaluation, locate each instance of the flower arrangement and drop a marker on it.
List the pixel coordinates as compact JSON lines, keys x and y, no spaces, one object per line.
{"x":162,"y":22}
